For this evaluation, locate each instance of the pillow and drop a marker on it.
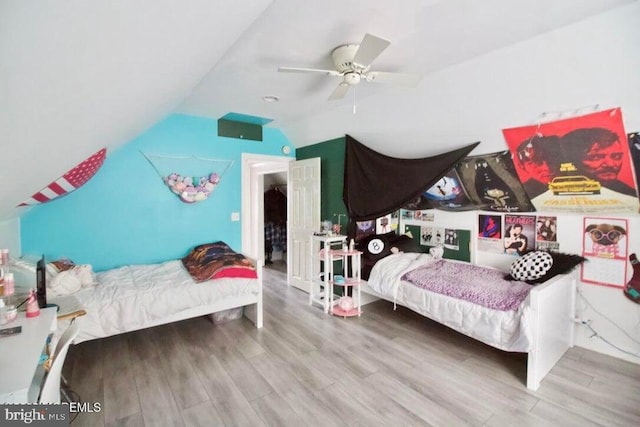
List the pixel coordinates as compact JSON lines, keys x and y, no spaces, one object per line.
{"x":236,"y":272}
{"x":378,"y":246}
{"x":206,"y":262}
{"x":531,"y":266}
{"x":562,"y":263}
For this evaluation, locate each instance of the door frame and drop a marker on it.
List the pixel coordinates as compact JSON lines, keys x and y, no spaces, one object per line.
{"x":254,"y":167}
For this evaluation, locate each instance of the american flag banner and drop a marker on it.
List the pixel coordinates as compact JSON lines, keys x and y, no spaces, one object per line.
{"x":73,"y":179}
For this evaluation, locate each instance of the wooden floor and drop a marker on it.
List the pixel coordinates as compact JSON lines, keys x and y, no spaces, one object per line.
{"x":306,"y":368}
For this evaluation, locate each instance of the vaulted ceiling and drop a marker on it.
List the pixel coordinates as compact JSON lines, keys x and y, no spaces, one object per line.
{"x":79,"y":75}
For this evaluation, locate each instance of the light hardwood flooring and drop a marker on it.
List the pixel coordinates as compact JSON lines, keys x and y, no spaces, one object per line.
{"x":306,"y":368}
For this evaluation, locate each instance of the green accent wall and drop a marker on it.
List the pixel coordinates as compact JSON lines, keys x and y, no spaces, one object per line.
{"x":331,"y":155}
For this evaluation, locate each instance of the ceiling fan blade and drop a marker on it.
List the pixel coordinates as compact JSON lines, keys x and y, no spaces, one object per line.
{"x":333,"y":73}
{"x":370,"y":48}
{"x":399,"y":79}
{"x":339,"y":92}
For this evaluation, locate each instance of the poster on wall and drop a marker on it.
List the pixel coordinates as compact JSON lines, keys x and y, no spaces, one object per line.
{"x":546,"y":234}
{"x":490,"y":233}
{"x":364,"y":229}
{"x":448,"y":194}
{"x":605,"y":246}
{"x":432,"y":236}
{"x":579,"y":164}
{"x":451,"y":239}
{"x":492,"y":184}
{"x":519,"y":234}
{"x":384,"y":225}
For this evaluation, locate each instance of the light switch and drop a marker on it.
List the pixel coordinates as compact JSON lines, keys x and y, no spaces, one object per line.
{"x":235,"y":216}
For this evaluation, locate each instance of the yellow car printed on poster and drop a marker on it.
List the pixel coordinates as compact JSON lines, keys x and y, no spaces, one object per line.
{"x":574,"y":184}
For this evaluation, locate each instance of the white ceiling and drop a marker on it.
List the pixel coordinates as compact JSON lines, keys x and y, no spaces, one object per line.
{"x":78,"y":75}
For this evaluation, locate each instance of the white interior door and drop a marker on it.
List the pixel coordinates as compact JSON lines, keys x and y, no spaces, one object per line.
{"x":304,"y":218}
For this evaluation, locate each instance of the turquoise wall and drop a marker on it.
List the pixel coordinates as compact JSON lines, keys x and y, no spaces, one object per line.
{"x":126,"y":215}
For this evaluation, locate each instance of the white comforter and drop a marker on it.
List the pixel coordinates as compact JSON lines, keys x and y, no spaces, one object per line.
{"x":506,"y":330}
{"x":140,"y":296}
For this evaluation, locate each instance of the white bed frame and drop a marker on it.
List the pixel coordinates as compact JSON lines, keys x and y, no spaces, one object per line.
{"x":252,"y":307}
{"x":552,"y":306}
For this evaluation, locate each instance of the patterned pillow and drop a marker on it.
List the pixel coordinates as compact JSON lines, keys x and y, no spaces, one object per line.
{"x":531,"y":266}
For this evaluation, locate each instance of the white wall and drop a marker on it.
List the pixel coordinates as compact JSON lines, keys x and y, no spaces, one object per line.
{"x":10,"y":236}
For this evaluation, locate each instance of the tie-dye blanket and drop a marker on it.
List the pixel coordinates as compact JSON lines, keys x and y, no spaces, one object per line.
{"x":479,"y":285}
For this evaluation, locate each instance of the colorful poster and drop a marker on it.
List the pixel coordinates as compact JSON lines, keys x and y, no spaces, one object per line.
{"x":546,"y":234}
{"x":490,"y":233}
{"x":605,"y":246}
{"x":492,"y":184}
{"x":581,"y":164}
{"x":448,"y":194}
{"x":383,"y":225}
{"x":519,"y":234}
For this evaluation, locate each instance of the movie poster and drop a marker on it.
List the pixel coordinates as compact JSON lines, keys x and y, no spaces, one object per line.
{"x":490,"y":233}
{"x":519,"y":234}
{"x":580,"y":164}
{"x":605,"y":246}
{"x":448,"y":194}
{"x":547,"y":233}
{"x":492,"y":184}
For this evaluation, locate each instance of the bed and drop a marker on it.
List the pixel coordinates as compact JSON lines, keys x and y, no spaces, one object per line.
{"x":210,"y":279}
{"x":537,"y":320}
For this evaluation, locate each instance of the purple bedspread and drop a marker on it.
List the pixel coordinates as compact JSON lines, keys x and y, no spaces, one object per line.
{"x":479,"y":285}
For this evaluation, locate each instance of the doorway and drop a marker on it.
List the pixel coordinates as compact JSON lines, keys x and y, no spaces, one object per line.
{"x":275,"y":221}
{"x":255,"y":167}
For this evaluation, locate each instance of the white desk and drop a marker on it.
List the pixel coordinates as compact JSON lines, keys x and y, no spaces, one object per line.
{"x":20,"y":371}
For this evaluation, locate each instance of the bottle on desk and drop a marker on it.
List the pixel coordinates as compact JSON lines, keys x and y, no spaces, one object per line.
{"x":33,"y":310}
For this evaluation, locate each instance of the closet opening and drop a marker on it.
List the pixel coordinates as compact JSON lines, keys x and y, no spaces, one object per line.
{"x":275,"y":221}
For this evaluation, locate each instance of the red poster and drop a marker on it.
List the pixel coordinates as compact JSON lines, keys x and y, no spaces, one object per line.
{"x":580,"y":164}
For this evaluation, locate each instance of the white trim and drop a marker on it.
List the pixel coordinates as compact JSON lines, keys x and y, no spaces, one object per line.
{"x":254,"y":167}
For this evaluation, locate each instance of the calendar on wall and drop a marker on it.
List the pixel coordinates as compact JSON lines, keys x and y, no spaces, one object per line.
{"x":605,"y":246}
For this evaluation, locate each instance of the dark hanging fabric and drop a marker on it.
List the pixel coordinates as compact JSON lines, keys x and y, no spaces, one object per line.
{"x":275,"y":206}
{"x":376,"y":185}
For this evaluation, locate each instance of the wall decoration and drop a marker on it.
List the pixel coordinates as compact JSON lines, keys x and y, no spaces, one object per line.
{"x":490,"y":233}
{"x":365,"y":228}
{"x":491,"y":183}
{"x":70,"y":181}
{"x":448,"y":194}
{"x":579,"y":164}
{"x":519,"y":234}
{"x":197,"y":178}
{"x":376,"y":184}
{"x":547,"y":233}
{"x":605,"y":246}
{"x":383,"y":224}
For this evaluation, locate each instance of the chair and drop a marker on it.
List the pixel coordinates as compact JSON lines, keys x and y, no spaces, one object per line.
{"x":50,"y":392}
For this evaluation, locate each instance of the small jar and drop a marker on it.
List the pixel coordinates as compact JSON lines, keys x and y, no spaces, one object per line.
{"x":11,"y":313}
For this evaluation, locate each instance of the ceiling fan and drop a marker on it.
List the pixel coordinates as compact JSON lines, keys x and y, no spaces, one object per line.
{"x":353,"y":62}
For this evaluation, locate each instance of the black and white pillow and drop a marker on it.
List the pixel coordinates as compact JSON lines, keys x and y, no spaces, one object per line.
{"x":531,"y":266}
{"x":562,"y":263}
